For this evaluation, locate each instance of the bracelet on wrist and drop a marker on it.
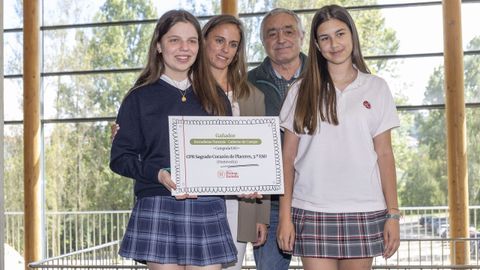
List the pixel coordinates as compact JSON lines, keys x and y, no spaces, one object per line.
{"x":393,"y":216}
{"x":167,"y":169}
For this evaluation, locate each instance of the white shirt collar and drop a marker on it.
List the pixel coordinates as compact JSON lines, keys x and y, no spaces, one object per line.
{"x":182,"y":85}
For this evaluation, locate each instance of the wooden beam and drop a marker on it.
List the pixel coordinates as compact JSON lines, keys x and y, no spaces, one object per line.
{"x":230,"y":7}
{"x":31,"y":130}
{"x":456,"y":130}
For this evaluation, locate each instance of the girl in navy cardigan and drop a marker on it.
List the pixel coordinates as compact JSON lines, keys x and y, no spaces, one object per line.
{"x":165,"y":232}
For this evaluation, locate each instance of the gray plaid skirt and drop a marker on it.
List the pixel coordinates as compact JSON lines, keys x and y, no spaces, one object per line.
{"x":338,"y":235}
{"x":164,"y":230}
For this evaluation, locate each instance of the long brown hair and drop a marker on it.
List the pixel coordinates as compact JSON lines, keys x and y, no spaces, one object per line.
{"x":203,"y":82}
{"x":317,"y":95}
{"x":237,"y":69}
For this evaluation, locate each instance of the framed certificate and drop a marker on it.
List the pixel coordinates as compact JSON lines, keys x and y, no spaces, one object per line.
{"x":225,"y":155}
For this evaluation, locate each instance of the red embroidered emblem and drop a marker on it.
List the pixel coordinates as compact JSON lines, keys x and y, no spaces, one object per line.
{"x":367,"y":104}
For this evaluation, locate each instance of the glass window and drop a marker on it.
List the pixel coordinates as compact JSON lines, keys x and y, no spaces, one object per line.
{"x":84,"y":96}
{"x":13,"y":99}
{"x":60,"y":12}
{"x":473,"y":153}
{"x":76,"y":169}
{"x":413,"y":81}
{"x":392,"y":2}
{"x":13,"y":53}
{"x":470,"y":30}
{"x":13,"y":164}
{"x":421,"y":137}
{"x":98,"y":48}
{"x":12,"y":14}
{"x":413,"y":36}
{"x":255,"y":51}
{"x":472,"y":78}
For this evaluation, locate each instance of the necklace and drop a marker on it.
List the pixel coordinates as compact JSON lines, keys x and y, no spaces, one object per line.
{"x":184,"y":95}
{"x":181,"y":86}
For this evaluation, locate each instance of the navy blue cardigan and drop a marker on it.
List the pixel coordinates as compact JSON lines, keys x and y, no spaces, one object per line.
{"x":141,"y":146}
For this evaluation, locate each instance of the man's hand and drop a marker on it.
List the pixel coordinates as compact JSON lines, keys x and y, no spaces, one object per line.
{"x":262,"y":232}
{"x":114,"y":128}
{"x":250,"y":196}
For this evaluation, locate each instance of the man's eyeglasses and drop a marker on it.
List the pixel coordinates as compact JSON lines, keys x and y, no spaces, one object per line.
{"x":287,"y":31}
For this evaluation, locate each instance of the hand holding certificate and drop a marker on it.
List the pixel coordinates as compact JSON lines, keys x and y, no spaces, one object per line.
{"x":225,"y":155}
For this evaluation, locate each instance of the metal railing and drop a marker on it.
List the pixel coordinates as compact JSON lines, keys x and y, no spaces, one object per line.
{"x":431,"y":253}
{"x":68,"y":232}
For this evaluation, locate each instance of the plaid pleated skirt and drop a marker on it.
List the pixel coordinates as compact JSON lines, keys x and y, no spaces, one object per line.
{"x":164,"y":230}
{"x":338,"y":235}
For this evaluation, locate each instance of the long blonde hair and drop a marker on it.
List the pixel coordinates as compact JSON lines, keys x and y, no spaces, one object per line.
{"x":203,"y":82}
{"x":317,"y":95}
{"x":237,"y":69}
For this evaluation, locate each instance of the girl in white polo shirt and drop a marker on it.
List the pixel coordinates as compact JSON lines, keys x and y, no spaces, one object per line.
{"x":340,"y":207}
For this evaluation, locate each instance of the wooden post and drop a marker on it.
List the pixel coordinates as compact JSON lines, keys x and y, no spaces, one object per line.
{"x":456,"y":130}
{"x":230,"y":7}
{"x":31,"y":132}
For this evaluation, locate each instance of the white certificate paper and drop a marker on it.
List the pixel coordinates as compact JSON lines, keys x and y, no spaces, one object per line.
{"x":225,"y":155}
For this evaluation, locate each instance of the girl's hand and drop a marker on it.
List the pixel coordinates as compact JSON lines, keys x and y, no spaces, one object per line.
{"x":286,"y":235}
{"x":391,"y":237}
{"x":165,"y":179}
{"x":185,"y":196}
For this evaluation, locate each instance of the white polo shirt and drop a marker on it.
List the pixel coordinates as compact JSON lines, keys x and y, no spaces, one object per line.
{"x":336,"y":169}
